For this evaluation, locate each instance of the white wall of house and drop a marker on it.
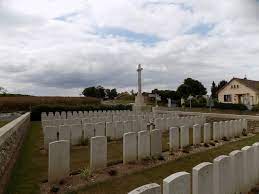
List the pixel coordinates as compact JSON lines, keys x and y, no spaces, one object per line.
{"x":236,"y":93}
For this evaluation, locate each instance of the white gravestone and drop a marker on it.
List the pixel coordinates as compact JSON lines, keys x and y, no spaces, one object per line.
{"x":206,"y":133}
{"x":127,"y":126}
{"x":178,"y":183}
{"x":64,"y":132}
{"x":110,"y":130}
{"x":236,"y":164}
{"x":50,"y":135}
{"x":174,"y":138}
{"x":196,"y":134}
{"x":156,"y":142}
{"x":88,"y":129}
{"x":247,"y":183}
{"x":59,"y":161}
{"x":98,"y":153}
{"x":99,"y":129}
{"x":119,"y":129}
{"x":76,"y":134}
{"x":215,"y":131}
{"x":202,"y":178}
{"x":143,"y":144}
{"x":184,"y":137}
{"x":222,"y":175}
{"x":129,"y":147}
{"x":152,"y":188}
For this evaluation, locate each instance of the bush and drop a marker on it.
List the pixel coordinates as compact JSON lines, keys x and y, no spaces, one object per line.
{"x":196,"y":102}
{"x":256,"y":108}
{"x":37,"y":110}
{"x":240,"y":107}
{"x":24,"y":103}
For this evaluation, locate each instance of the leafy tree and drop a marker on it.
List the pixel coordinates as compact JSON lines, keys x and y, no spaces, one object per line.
{"x":3,"y":90}
{"x":221,"y":84}
{"x":164,"y":94}
{"x":191,"y":87}
{"x":111,"y":94}
{"x":214,"y":90}
{"x":100,"y":92}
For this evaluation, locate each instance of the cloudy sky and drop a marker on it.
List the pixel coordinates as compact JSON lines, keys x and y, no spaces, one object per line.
{"x":58,"y":47}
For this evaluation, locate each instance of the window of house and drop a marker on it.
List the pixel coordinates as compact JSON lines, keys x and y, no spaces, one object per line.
{"x":237,"y":86}
{"x":232,"y":86}
{"x":227,"y":98}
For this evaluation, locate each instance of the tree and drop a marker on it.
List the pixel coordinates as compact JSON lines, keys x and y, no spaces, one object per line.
{"x":100,"y":92}
{"x":164,"y":94}
{"x":111,"y":94}
{"x":221,"y":84}
{"x":3,"y":90}
{"x":191,"y":87}
{"x":214,"y":90}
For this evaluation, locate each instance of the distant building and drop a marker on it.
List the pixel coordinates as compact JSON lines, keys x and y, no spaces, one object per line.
{"x":240,"y":91}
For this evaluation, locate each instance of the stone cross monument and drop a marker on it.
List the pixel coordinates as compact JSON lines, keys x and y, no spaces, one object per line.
{"x":139,"y":99}
{"x":139,"y":79}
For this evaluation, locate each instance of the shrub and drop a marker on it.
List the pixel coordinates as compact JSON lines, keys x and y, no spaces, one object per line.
{"x":112,"y":172}
{"x":37,"y":110}
{"x":54,"y":189}
{"x":85,"y":173}
{"x":240,"y":107}
{"x":24,"y":103}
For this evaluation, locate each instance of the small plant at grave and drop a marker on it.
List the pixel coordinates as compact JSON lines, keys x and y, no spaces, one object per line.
{"x":146,"y":159}
{"x":225,"y":138}
{"x":161,"y":158}
{"x":171,"y":153}
{"x":109,"y":139}
{"x":216,"y":141}
{"x":62,"y":182}
{"x":237,"y":137}
{"x":212,"y":143}
{"x":244,"y":132}
{"x":84,"y":142}
{"x":186,"y":149}
{"x":54,"y":189}
{"x":85,"y":173}
{"x":114,"y":162}
{"x":132,"y":162}
{"x":112,"y":172}
{"x":206,"y":145}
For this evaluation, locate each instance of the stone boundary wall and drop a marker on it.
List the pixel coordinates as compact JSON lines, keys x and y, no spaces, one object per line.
{"x":215,"y":115}
{"x":236,"y":172}
{"x":11,"y":139}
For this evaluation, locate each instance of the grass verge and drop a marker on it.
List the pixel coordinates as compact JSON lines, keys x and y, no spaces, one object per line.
{"x":2,"y":123}
{"x":157,"y":174}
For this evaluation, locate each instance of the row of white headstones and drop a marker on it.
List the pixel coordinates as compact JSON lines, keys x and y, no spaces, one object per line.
{"x":136,"y":146}
{"x":235,"y":173}
{"x":77,"y":130}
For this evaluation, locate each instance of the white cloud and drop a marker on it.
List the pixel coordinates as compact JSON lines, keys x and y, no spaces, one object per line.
{"x":52,"y":47}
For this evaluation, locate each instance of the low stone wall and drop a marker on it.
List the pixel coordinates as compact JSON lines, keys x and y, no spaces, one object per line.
{"x":11,"y":138}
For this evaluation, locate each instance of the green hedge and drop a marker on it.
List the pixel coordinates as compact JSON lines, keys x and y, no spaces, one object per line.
{"x":256,"y":108}
{"x":37,"y":110}
{"x":230,"y":106}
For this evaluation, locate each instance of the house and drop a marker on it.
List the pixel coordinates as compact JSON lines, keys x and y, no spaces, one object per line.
{"x":240,"y":91}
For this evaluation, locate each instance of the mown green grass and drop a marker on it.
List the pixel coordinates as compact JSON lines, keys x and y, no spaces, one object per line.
{"x":122,"y":185}
{"x":31,"y":167}
{"x":2,"y":123}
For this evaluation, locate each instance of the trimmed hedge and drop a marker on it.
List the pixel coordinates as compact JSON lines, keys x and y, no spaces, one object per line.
{"x":37,"y":110}
{"x":230,"y":106}
{"x":24,"y":103}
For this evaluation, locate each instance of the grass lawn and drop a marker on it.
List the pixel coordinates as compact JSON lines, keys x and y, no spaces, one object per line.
{"x":157,"y":174}
{"x":2,"y":123}
{"x":32,"y":165}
